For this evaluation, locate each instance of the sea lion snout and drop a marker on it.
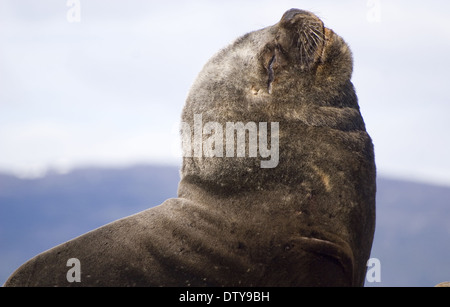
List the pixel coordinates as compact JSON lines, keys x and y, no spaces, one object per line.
{"x":302,"y":36}
{"x":289,"y":16}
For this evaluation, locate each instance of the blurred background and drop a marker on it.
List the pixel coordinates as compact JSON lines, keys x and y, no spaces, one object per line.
{"x":91,"y":93}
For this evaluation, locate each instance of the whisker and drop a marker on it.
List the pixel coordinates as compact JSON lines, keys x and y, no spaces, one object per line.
{"x":313,"y":31}
{"x":315,"y":40}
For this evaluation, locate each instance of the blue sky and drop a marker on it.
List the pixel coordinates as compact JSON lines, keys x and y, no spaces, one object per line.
{"x":109,"y":90}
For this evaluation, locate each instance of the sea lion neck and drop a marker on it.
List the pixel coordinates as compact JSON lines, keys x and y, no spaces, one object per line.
{"x":199,"y":192}
{"x":301,"y":38}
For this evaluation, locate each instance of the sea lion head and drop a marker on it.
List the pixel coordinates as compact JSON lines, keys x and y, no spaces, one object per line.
{"x":308,"y":52}
{"x":282,"y":73}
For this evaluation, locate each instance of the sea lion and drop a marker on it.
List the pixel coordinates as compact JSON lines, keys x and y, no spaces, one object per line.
{"x":305,"y":219}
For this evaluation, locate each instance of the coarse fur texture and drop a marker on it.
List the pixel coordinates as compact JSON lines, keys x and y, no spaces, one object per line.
{"x":309,"y":221}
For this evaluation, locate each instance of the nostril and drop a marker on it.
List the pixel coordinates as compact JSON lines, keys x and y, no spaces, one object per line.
{"x":292,"y":13}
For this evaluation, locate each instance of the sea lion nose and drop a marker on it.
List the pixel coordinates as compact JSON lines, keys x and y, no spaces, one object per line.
{"x":295,"y":18}
{"x":289,"y":15}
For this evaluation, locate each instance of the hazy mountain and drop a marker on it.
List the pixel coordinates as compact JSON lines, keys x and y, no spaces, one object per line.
{"x":38,"y":214}
{"x":412,"y":239}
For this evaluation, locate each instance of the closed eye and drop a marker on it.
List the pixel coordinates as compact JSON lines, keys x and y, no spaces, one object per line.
{"x":271,"y":74}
